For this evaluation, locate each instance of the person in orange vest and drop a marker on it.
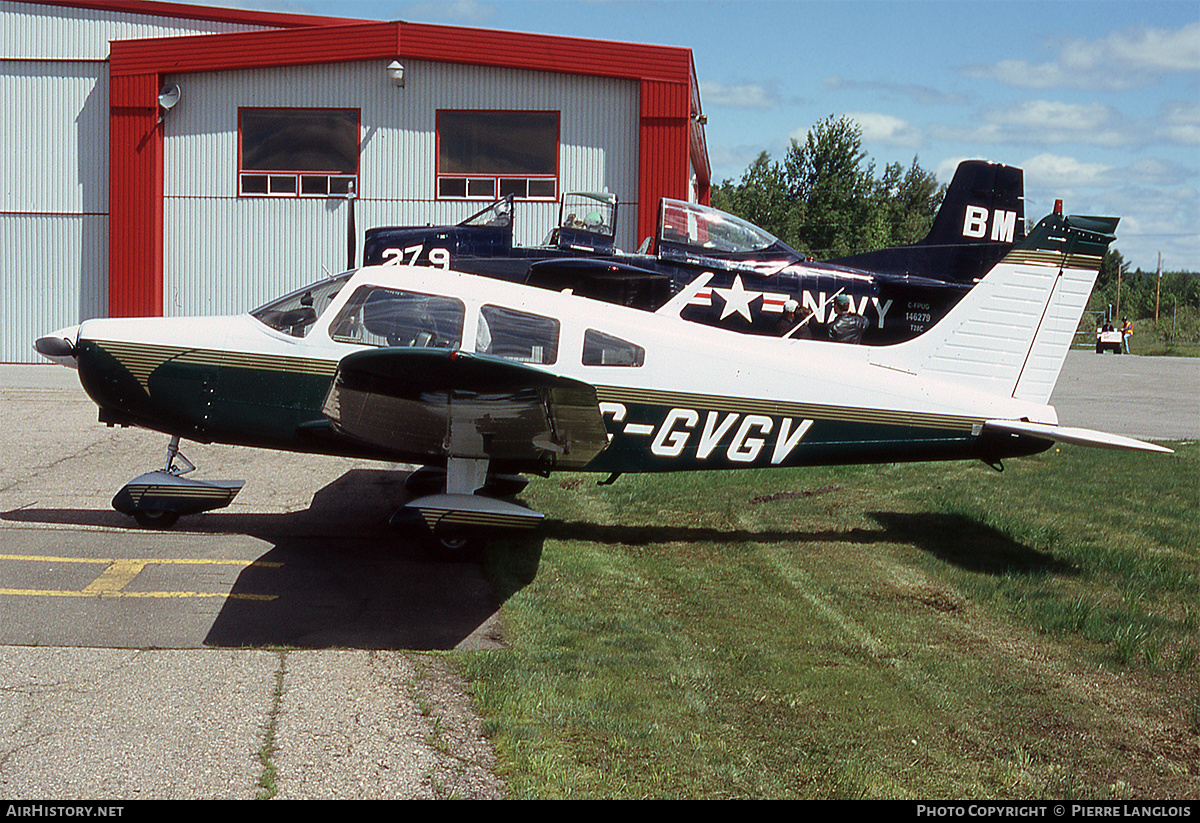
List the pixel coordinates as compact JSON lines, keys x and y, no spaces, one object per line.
{"x":1126,"y":333}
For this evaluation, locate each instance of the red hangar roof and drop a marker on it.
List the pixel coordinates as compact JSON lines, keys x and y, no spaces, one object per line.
{"x":670,"y":133}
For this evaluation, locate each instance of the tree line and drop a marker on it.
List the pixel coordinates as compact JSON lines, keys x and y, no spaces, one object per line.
{"x":826,"y":199}
{"x":1169,"y":301}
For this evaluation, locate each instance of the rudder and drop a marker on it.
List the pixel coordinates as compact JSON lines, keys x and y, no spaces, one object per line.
{"x":1010,"y":334}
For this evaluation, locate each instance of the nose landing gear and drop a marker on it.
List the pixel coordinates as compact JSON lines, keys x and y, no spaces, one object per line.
{"x":157,"y":499}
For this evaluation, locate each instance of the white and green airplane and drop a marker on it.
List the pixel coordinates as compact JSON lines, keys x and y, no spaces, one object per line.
{"x":480,"y":380}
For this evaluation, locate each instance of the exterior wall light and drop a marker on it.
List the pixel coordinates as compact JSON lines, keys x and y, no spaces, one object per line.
{"x":395,"y":71}
{"x":168,"y":96}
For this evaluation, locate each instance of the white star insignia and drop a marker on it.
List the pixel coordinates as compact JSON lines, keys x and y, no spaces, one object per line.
{"x":737,"y":299}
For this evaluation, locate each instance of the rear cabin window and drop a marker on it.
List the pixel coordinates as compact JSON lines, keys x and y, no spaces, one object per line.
{"x":516,"y":335}
{"x":600,"y":349}
{"x":375,"y":316}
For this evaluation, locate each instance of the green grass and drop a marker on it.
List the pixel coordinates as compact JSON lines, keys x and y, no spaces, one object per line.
{"x":924,"y":631}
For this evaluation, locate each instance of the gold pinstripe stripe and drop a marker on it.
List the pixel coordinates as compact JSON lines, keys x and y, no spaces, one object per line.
{"x":443,"y":517}
{"x":136,"y":493}
{"x":1047,"y":257}
{"x":141,"y":359}
{"x":810,"y":411}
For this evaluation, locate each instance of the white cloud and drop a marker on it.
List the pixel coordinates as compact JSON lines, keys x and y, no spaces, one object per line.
{"x":1048,"y":121}
{"x":745,"y":96}
{"x":886,"y":129}
{"x":1153,"y":50}
{"x":1044,"y":114}
{"x":1181,"y":123}
{"x":1057,"y":171}
{"x":1122,"y":60}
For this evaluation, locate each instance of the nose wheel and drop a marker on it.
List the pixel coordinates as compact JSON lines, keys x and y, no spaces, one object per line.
{"x":157,"y":499}
{"x":155,"y":519}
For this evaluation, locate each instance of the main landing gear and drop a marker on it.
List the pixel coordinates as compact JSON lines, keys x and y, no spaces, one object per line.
{"x":157,"y":499}
{"x":456,"y":509}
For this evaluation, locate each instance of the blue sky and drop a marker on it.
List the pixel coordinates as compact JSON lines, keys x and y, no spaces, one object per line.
{"x":1098,"y":100}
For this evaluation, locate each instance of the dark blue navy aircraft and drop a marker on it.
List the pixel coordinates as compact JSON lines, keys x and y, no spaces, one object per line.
{"x":713,"y":268}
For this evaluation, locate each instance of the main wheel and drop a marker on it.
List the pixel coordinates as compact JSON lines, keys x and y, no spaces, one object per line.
{"x":155,"y":518}
{"x":456,"y":545}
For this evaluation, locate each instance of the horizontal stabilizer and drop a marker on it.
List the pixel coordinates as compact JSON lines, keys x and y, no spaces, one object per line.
{"x":1066,"y":434}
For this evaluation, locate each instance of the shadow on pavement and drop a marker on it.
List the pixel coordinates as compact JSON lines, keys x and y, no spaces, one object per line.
{"x":334,"y":576}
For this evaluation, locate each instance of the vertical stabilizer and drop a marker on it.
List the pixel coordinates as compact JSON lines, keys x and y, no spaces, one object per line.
{"x":982,"y":217}
{"x":1010,"y":334}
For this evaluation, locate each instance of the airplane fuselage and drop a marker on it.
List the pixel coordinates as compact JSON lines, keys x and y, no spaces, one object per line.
{"x":489,"y":378}
{"x":673,"y":395}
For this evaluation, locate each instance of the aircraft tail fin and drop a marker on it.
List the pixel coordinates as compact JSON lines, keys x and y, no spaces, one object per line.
{"x":981,"y":218}
{"x":1010,"y":334}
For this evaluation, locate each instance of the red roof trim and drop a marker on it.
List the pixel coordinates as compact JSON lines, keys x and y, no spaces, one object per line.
{"x":267,"y":19}
{"x":253,"y":49}
{"x":543,"y":52}
{"x":348,"y":42}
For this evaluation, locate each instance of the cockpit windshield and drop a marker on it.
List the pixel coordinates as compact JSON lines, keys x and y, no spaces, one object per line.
{"x":295,"y":313}
{"x":585,"y":211}
{"x":498,"y":214}
{"x":708,"y":230}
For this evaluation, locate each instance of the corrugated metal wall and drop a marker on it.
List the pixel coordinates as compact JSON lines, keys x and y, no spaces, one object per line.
{"x":54,"y":163}
{"x":65,"y":33}
{"x":226,"y":254}
{"x":53,"y":200}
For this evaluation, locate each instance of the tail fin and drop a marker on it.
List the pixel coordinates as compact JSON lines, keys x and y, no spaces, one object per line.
{"x":1010,"y":334}
{"x":981,"y":218}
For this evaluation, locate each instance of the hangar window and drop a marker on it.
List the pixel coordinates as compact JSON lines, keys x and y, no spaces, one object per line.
{"x":486,"y":155}
{"x":298,"y":152}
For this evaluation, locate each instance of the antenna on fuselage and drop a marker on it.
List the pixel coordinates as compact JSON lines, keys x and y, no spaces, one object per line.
{"x":350,"y":233}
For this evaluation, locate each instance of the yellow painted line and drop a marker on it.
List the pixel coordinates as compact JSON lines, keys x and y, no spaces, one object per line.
{"x":114,"y":578}
{"x":69,"y":593}
{"x":166,"y":561}
{"x":119,"y":572}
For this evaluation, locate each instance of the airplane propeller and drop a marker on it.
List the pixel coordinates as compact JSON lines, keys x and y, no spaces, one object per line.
{"x":53,"y":346}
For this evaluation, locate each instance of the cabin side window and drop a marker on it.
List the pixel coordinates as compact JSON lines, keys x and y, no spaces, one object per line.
{"x":600,"y":349}
{"x":516,"y":335}
{"x":375,"y":316}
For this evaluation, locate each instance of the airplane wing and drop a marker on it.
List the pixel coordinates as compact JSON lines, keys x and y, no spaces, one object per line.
{"x":436,"y":403}
{"x":1067,"y":434}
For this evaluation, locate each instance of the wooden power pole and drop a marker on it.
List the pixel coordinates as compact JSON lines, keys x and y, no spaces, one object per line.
{"x":1158,"y":290}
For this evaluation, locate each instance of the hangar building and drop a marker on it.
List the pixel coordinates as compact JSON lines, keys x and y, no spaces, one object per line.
{"x":176,"y":160}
